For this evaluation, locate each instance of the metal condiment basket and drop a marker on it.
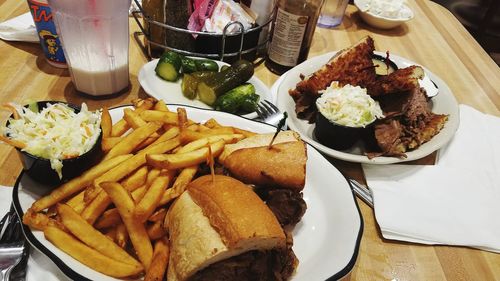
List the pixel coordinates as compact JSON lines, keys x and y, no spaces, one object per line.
{"x":147,"y":33}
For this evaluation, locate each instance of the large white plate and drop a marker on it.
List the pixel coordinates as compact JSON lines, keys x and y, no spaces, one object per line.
{"x":326,"y":241}
{"x":442,"y":103}
{"x":170,"y":92}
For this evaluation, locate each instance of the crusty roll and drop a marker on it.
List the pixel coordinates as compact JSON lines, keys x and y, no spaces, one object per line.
{"x":252,"y":161}
{"x":217,"y":219}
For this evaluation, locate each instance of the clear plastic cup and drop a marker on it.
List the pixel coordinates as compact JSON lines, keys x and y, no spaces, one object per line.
{"x":95,"y":39}
{"x":332,"y":13}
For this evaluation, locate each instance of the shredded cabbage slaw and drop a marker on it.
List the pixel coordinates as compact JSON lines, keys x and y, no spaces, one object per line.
{"x":349,"y":106}
{"x":55,"y":132}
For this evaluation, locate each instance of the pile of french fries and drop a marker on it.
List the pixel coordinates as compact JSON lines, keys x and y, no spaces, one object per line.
{"x":111,"y":218}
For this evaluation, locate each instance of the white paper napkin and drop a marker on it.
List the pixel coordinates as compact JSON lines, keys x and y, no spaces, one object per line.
{"x":40,"y":268}
{"x":456,"y":201}
{"x":21,"y":28}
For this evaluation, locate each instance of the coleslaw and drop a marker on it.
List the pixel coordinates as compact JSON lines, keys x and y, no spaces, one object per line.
{"x":56,"y":132}
{"x":348,"y":106}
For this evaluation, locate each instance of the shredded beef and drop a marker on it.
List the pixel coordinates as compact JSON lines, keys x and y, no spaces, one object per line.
{"x":277,"y":264}
{"x":288,"y":206}
{"x":409,"y":123}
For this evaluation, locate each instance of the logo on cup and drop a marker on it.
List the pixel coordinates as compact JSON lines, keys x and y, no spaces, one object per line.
{"x":49,"y":40}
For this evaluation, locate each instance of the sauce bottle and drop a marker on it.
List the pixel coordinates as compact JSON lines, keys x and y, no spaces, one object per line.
{"x":293,"y":30}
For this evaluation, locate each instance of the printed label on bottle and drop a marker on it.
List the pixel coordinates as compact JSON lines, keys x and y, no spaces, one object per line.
{"x":287,"y":38}
{"x":46,"y":30}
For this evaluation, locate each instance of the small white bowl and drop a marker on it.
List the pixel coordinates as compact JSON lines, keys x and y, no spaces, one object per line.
{"x":379,"y":21}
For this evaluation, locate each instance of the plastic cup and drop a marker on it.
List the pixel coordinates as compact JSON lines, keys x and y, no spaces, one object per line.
{"x":95,"y":39}
{"x":46,"y":30}
{"x":332,"y":13}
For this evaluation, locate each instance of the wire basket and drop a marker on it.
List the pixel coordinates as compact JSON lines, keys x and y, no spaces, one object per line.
{"x":223,"y":46}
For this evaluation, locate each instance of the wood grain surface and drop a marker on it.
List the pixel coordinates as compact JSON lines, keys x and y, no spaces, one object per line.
{"x":434,"y":39}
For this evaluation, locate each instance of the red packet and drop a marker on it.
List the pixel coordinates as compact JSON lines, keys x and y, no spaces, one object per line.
{"x":202,"y":11}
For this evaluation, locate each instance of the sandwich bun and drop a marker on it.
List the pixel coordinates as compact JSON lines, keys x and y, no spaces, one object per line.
{"x":215,"y":219}
{"x":252,"y":161}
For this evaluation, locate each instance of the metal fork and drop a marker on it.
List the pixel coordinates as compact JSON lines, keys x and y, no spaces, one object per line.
{"x":268,"y":112}
{"x":12,"y":243}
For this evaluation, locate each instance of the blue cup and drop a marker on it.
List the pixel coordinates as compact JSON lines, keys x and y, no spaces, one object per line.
{"x":46,"y":30}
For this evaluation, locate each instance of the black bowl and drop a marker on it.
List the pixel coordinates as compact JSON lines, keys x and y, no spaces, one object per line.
{"x":336,"y":136}
{"x":39,"y":169}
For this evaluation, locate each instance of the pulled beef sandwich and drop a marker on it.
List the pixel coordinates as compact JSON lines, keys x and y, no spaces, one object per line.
{"x":277,"y":172}
{"x":221,"y":230}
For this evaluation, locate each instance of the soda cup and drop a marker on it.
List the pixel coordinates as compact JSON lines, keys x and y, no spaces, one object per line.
{"x":46,"y":30}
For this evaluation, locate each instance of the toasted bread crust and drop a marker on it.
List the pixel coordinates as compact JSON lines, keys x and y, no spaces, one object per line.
{"x":241,"y":218}
{"x":251,"y":161}
{"x":271,"y":166}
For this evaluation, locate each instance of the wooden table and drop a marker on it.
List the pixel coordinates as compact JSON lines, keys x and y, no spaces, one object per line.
{"x":434,"y":39}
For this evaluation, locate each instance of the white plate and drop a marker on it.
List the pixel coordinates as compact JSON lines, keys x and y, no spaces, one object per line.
{"x":443,"y":103}
{"x":326,"y":241}
{"x":170,"y":92}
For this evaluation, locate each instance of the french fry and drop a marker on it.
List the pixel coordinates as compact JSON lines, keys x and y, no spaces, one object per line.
{"x":106,"y":123}
{"x":156,"y":230}
{"x":92,"y":237}
{"x":158,"y":267}
{"x":120,"y":127}
{"x":182,"y":119}
{"x":149,"y":201}
{"x":136,"y":179}
{"x":152,"y":175}
{"x":139,"y":193}
{"x":89,"y":256}
{"x":35,"y":220}
{"x":136,"y":230}
{"x":189,"y":136}
{"x":199,"y":143}
{"x":161,"y":106}
{"x":109,"y":218}
{"x":121,"y":235}
{"x":169,"y":134}
{"x":77,"y":202}
{"x":78,"y":183}
{"x":90,"y":194}
{"x":14,"y":143}
{"x":182,"y":160}
{"x":110,"y":233}
{"x":147,"y":102}
{"x":166,"y":117}
{"x":212,"y":123}
{"x":183,"y":179}
{"x":109,"y":142}
{"x":158,"y":215}
{"x":133,"y":118}
{"x":132,"y":140}
{"x":137,"y":160}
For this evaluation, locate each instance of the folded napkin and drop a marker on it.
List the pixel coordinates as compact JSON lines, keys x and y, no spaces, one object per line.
{"x":21,"y":28}
{"x":40,"y":267}
{"x":456,"y":201}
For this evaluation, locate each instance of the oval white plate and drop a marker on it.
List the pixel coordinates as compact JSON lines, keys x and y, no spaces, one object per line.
{"x":326,"y":241}
{"x":170,"y":92}
{"x":442,"y":103}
